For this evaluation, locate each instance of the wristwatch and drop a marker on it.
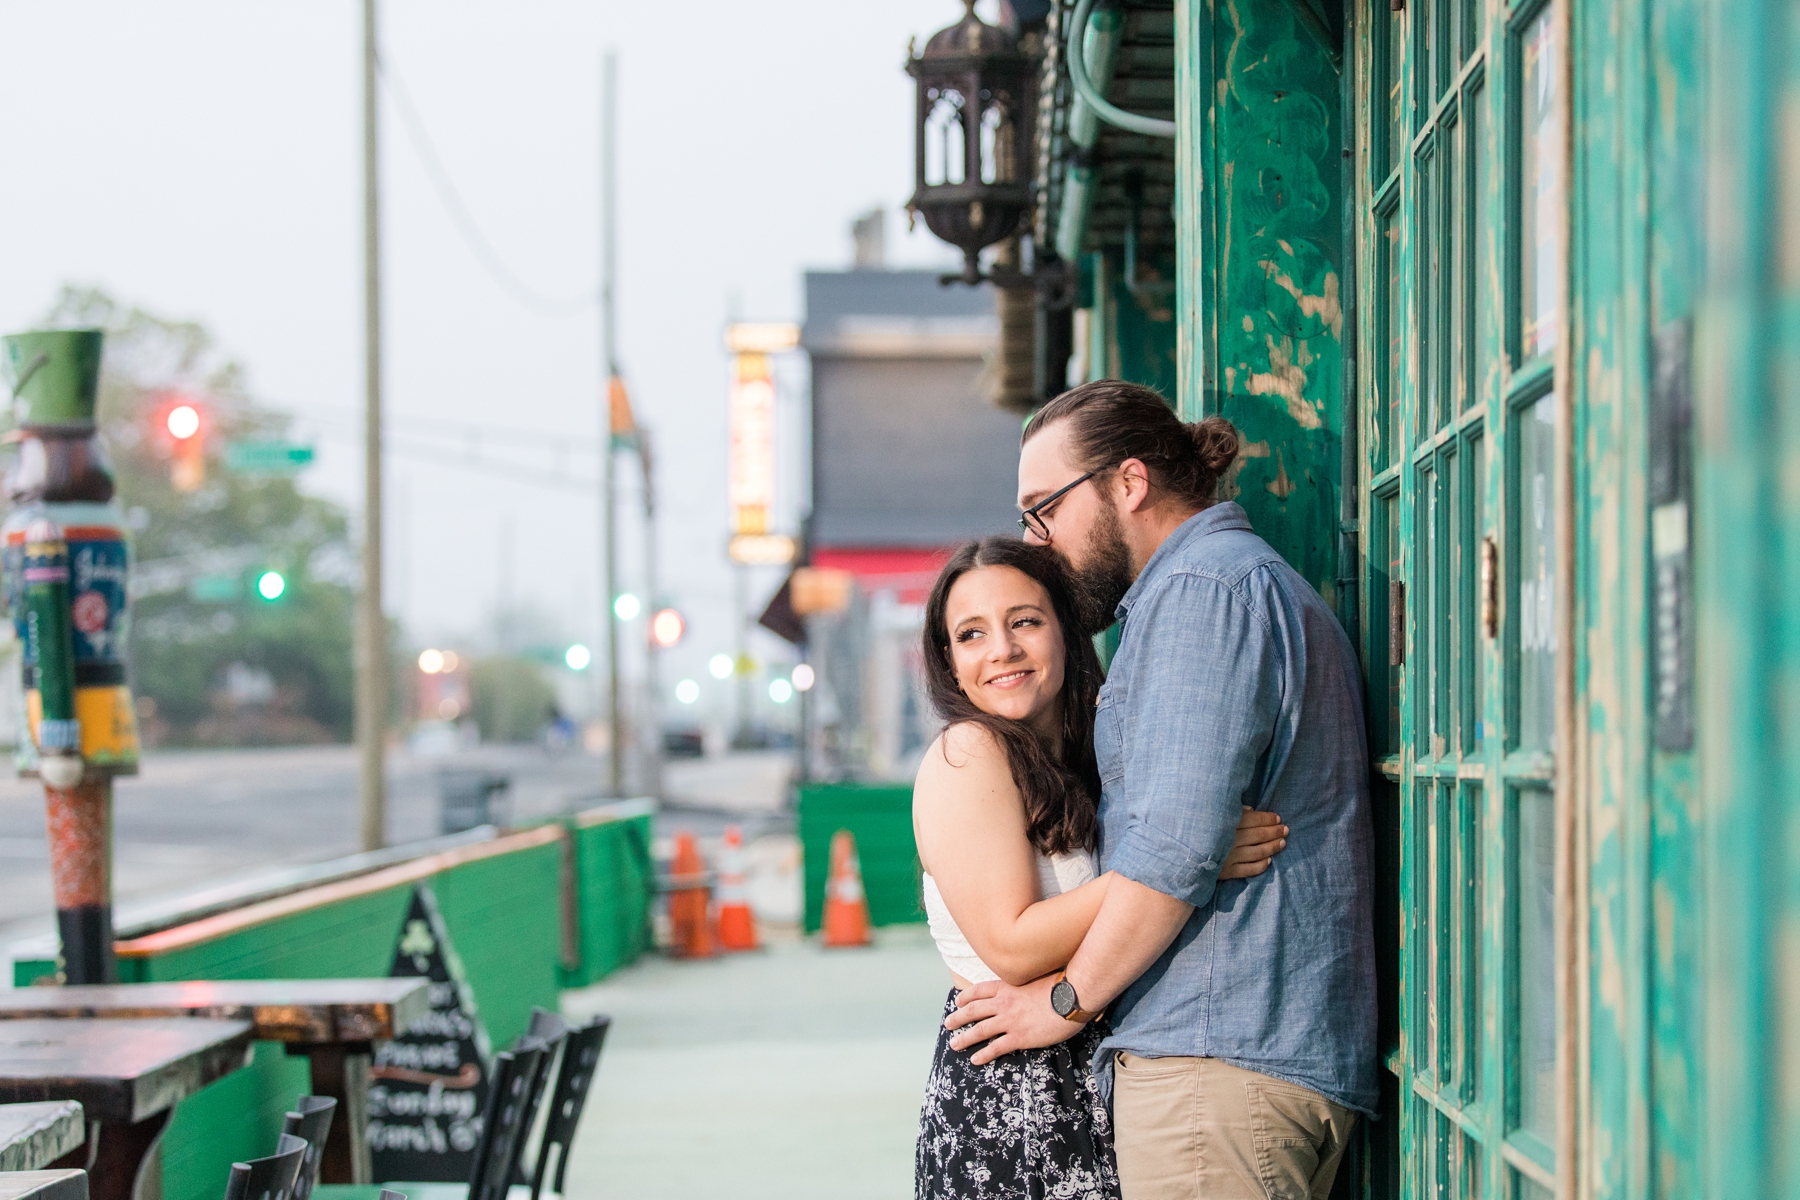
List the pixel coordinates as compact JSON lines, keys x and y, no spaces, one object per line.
{"x":1066,"y":1004}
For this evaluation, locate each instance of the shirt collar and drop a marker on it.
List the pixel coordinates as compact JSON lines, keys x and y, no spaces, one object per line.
{"x":1226,"y":514}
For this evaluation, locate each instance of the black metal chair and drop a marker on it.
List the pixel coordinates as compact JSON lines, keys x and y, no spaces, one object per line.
{"x":546,"y":1032}
{"x":580,"y":1057}
{"x":270,"y":1178}
{"x":311,"y":1122}
{"x":505,"y":1119}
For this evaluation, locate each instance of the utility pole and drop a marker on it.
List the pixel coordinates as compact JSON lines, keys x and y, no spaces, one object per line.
{"x":652,"y":715}
{"x":371,"y":623}
{"x":609,"y":362}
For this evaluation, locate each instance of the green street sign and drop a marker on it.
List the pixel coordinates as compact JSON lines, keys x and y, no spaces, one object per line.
{"x":214,"y":589}
{"x":268,"y":458}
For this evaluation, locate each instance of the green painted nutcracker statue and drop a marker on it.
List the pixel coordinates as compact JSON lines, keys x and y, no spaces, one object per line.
{"x":66,"y":563}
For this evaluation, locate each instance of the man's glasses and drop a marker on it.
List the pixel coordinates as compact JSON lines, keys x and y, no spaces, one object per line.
{"x":1032,"y":519}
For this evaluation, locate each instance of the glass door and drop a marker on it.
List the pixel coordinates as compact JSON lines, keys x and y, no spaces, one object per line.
{"x":1462,"y":269}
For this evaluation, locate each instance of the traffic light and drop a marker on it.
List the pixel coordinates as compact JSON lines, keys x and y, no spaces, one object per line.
{"x":182,"y":420}
{"x":666,"y":628}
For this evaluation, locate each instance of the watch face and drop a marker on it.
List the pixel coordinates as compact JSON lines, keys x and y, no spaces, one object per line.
{"x":1062,"y":998}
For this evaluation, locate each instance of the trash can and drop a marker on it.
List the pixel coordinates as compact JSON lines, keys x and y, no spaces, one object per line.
{"x":470,"y":797}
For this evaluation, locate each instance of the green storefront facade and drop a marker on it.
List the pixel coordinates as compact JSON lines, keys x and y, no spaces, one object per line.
{"x":1506,"y":302}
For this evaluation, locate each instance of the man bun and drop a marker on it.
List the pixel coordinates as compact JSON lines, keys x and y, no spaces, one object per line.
{"x":1216,"y":441}
{"x":1111,"y":420}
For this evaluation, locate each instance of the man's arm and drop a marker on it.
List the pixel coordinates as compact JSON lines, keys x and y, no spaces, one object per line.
{"x":1206,"y":702}
{"x":1134,"y":926}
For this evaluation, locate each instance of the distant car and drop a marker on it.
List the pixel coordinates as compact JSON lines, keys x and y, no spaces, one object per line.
{"x":685,"y":742}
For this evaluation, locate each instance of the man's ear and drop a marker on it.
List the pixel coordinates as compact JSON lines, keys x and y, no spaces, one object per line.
{"x":1133,"y":482}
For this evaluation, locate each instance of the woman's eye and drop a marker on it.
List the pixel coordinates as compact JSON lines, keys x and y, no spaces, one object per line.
{"x":1023,"y":622}
{"x":967,"y":634}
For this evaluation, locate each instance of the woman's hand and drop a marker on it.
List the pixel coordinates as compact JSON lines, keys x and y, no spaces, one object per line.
{"x":1260,"y":837}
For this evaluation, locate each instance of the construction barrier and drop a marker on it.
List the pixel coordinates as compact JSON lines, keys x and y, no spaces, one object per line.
{"x":879,"y":817}
{"x":559,"y":905}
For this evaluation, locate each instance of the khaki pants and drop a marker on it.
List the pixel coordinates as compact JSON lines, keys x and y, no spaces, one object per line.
{"x":1200,"y":1129}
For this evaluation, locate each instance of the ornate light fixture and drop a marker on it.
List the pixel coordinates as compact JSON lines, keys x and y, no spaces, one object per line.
{"x":972,"y":182}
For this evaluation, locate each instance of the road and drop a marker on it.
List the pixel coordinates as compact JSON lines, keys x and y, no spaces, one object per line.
{"x":208,"y":818}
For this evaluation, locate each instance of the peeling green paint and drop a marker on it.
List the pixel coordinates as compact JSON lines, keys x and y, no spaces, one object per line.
{"x":1261,"y":307}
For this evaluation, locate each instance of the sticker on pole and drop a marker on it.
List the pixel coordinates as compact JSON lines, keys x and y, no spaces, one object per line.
{"x":428,"y":1088}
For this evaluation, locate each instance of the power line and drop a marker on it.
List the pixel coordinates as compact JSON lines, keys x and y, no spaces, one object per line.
{"x":448,"y":196}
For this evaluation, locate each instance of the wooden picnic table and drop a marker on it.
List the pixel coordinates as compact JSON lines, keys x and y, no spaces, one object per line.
{"x":32,"y":1136}
{"x":333,"y":1022}
{"x":127,"y":1075}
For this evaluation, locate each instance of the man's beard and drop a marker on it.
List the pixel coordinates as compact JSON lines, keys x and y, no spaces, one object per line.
{"x":1107,"y":575}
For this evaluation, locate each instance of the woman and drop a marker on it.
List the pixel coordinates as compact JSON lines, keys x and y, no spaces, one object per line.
{"x":1004,"y":811}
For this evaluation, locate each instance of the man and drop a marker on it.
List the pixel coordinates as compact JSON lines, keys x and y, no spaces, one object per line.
{"x":1243,"y":1013}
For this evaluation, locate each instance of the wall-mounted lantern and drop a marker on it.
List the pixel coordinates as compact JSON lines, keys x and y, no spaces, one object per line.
{"x":972,"y":182}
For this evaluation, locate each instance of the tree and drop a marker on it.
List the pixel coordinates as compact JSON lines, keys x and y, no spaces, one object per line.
{"x":201,"y":621}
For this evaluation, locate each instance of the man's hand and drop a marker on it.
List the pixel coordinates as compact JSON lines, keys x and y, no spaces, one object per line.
{"x":1015,"y":1018}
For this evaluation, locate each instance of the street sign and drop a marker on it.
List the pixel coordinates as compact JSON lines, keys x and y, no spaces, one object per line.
{"x":268,"y":458}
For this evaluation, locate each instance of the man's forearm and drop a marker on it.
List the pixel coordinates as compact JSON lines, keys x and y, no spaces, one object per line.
{"x":1134,"y":926}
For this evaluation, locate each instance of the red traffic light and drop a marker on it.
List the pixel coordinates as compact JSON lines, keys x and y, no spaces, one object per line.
{"x":666,"y":628}
{"x":182,"y":422}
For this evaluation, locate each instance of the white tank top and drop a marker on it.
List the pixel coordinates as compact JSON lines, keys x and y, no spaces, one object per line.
{"x":1056,"y":874}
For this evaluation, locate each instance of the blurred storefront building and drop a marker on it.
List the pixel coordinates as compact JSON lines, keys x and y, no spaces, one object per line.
{"x":909,"y":458}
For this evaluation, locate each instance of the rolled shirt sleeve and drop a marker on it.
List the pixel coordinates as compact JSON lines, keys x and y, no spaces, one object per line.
{"x":1195,"y":724}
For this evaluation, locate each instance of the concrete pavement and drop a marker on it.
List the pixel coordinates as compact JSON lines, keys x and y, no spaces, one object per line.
{"x":794,"y":1072}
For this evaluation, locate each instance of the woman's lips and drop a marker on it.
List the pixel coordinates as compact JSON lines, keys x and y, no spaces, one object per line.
{"x":1011,"y":679}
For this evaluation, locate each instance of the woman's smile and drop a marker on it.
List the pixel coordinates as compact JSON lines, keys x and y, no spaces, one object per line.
{"x":1011,"y":679}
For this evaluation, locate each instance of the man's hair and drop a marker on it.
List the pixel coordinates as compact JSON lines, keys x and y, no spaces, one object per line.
{"x":1111,"y":420}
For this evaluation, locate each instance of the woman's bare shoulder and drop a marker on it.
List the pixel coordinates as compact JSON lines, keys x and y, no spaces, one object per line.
{"x":964,"y":755}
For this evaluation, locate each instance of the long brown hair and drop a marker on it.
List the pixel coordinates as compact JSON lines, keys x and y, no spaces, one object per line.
{"x":1111,"y":420}
{"x":1061,"y":791}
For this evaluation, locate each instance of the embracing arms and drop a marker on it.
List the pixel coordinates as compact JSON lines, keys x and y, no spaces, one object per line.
{"x":970,"y":824}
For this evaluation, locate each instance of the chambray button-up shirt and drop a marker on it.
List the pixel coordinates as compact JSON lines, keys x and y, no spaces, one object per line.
{"x":1234,"y":684}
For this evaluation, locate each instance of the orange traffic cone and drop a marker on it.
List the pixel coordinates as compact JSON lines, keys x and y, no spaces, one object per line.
{"x":737,"y":925}
{"x":846,"y":908}
{"x":689,"y":897}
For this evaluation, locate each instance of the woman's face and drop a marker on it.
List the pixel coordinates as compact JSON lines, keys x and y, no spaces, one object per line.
{"x":1006,"y":646}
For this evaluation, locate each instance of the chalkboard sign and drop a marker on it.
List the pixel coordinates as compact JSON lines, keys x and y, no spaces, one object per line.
{"x":427,"y":1089}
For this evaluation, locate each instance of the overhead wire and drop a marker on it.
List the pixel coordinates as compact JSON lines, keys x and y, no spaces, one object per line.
{"x":465,"y":223}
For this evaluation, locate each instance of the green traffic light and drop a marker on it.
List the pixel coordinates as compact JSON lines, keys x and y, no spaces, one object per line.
{"x":270,"y":585}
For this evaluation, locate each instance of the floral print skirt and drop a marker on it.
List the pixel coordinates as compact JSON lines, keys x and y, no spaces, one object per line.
{"x":1028,"y":1126}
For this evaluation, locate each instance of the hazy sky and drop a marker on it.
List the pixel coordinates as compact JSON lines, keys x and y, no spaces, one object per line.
{"x":202,"y":160}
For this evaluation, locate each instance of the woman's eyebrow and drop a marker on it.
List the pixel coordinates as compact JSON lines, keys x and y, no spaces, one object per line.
{"x":1037,"y":608}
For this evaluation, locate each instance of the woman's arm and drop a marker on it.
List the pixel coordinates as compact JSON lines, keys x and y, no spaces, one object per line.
{"x":970,"y":823}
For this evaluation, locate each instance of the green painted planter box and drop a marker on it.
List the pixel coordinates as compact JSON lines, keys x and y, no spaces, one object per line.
{"x":879,"y":816}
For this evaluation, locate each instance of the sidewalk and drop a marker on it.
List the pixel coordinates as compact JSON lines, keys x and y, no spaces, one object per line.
{"x":795,"y":1072}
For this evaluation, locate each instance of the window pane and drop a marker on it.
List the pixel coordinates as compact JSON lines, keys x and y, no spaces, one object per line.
{"x":1420,"y":605}
{"x":1478,"y":453}
{"x":1524,"y":1189}
{"x":1481,"y":174}
{"x":1425,"y":254}
{"x":1391,"y":507}
{"x":1398,"y":135}
{"x":1535,"y":885}
{"x":1395,"y":317}
{"x":1537,"y":566}
{"x":1469,"y":964}
{"x":1540,"y":193}
{"x":1443,"y":261}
